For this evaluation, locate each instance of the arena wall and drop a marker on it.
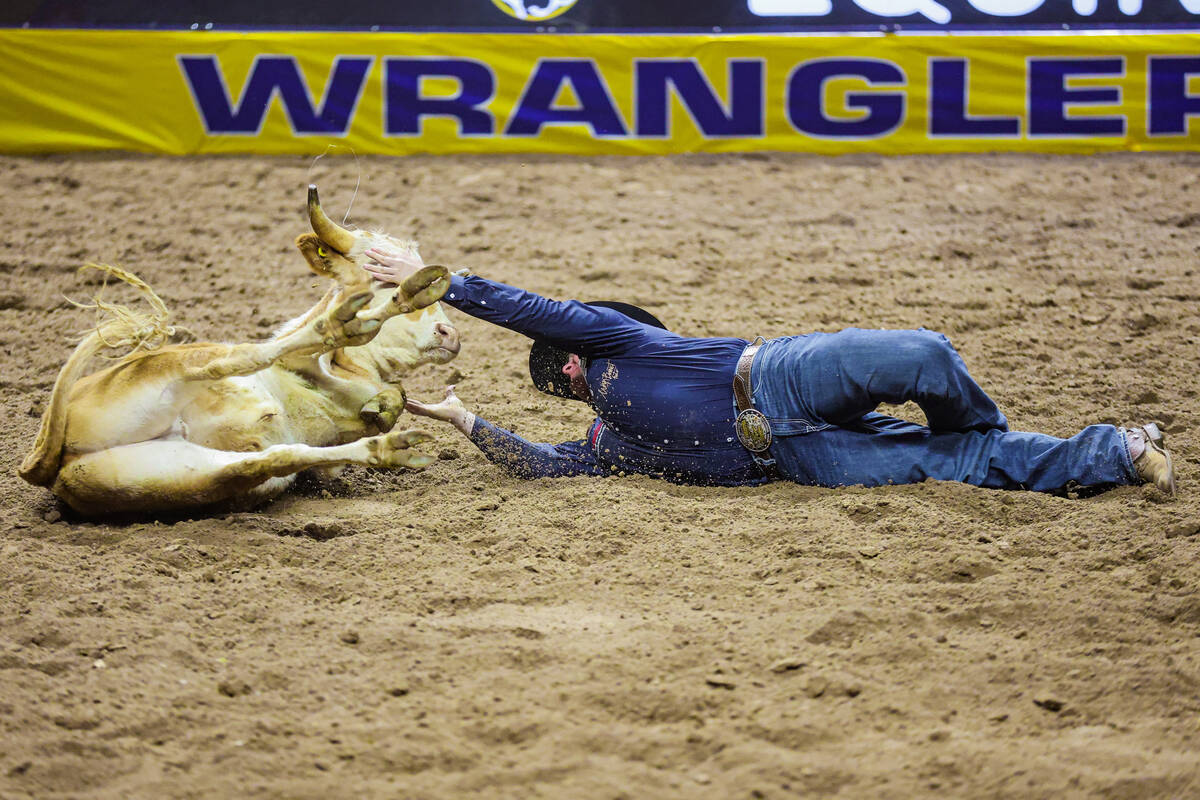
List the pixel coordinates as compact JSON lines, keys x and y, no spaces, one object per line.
{"x":202,"y":92}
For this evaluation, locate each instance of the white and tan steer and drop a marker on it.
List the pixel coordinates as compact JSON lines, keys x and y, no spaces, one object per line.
{"x":187,"y":425}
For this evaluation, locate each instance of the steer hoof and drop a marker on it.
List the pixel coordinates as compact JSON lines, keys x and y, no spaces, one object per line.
{"x":382,"y":410}
{"x":394,"y":450}
{"x":342,"y":327}
{"x":424,"y":288}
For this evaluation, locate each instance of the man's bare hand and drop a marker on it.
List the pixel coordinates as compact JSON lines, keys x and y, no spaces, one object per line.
{"x":391,"y":266}
{"x":449,"y":410}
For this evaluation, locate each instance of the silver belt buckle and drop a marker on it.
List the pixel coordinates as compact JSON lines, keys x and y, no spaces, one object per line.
{"x":753,"y":430}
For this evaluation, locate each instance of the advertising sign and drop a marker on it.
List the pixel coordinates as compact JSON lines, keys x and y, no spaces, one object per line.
{"x":610,"y":15}
{"x":274,"y":92}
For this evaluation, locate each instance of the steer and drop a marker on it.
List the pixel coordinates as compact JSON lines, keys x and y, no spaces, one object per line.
{"x":176,"y":426}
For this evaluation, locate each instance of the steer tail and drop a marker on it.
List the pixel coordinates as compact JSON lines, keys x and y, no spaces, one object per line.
{"x":41,"y":464}
{"x":124,"y":328}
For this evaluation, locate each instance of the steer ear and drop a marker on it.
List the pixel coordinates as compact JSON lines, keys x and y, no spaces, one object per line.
{"x":311,"y":248}
{"x":327,"y":262}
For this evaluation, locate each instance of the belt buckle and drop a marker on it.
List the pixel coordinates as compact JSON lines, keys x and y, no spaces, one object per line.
{"x":753,"y":430}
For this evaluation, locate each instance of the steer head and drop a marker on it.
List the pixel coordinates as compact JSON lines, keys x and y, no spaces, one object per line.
{"x":406,"y":340}
{"x":336,"y":252}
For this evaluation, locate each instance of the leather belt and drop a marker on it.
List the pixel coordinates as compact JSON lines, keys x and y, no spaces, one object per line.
{"x":753,"y":429}
{"x":741,"y":378}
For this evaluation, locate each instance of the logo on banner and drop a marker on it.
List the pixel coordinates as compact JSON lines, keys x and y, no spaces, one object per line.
{"x":531,"y":11}
{"x":935,"y":11}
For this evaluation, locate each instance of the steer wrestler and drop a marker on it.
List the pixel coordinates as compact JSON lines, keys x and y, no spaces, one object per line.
{"x":728,"y":412}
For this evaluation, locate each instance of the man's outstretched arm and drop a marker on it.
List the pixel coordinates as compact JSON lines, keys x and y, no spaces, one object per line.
{"x":570,"y":325}
{"x":504,"y":448}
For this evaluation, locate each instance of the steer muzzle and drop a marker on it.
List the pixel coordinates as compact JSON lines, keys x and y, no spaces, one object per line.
{"x":329,"y":231}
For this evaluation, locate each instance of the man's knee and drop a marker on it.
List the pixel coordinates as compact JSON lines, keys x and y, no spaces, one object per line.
{"x":930,"y":347}
{"x":915,"y":348}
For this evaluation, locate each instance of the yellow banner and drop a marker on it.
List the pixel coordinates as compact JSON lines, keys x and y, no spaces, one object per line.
{"x":187,"y":92}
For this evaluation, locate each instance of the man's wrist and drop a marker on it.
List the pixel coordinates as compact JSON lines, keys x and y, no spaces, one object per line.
{"x":465,"y":422}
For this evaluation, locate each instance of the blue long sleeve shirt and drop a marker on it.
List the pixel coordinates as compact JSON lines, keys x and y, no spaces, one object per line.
{"x":664,"y":402}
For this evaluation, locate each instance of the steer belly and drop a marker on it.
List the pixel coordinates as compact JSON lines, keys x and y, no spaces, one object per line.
{"x":101,"y":415}
{"x":135,"y":400}
{"x":245,"y":414}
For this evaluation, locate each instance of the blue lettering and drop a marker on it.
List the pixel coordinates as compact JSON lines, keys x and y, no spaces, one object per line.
{"x":1049,"y":97}
{"x":654,"y":80}
{"x":805,"y":98}
{"x":537,"y":106}
{"x":270,"y":75}
{"x":405,"y":107}
{"x":948,"y":104}
{"x":1170,"y":103}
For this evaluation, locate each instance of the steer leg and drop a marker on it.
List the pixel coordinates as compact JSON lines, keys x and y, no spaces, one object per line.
{"x":382,"y":410}
{"x":350,"y":323}
{"x":423,"y":288}
{"x":171,"y":474}
{"x":338,"y":326}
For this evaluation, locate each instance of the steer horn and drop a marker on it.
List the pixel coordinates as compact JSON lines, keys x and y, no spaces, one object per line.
{"x":326,"y":229}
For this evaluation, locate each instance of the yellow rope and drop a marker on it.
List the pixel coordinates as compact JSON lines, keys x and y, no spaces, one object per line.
{"x":121,"y":327}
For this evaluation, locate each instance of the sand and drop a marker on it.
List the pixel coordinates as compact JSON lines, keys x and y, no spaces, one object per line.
{"x":458,"y":632}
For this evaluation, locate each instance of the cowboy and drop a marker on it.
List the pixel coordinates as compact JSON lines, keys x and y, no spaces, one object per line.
{"x":729,"y":412}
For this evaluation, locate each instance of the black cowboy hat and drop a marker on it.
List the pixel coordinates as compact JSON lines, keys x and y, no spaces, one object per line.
{"x":546,"y":361}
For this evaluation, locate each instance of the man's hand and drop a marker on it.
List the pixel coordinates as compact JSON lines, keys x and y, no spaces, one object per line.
{"x":449,"y":410}
{"x":390,"y":266}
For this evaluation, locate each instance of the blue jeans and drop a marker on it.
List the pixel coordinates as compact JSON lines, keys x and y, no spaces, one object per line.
{"x":820,"y":392}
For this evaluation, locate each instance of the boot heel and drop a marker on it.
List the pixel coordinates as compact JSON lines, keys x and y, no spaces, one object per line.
{"x":1153,"y":434}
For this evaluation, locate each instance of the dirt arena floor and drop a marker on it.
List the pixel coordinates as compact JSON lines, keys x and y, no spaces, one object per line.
{"x":460,"y":633}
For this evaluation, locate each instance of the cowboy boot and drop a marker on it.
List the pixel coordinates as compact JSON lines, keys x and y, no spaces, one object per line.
{"x":1154,"y":465}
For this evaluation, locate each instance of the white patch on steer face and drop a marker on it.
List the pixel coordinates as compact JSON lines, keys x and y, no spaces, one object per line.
{"x":427,"y":338}
{"x":408,"y":341}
